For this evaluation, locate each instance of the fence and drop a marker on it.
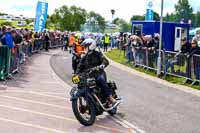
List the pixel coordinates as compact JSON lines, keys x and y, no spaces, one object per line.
{"x":12,"y":63}
{"x":175,"y":64}
{"x":4,"y":62}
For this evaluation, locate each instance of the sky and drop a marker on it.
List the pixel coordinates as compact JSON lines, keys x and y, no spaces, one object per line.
{"x":124,"y":8}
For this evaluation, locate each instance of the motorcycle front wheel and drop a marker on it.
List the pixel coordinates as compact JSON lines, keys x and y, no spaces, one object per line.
{"x":84,"y":111}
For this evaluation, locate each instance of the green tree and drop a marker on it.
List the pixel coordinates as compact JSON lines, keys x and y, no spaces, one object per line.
{"x":171,"y":17}
{"x":66,"y":18}
{"x":196,"y":19}
{"x":124,"y":26}
{"x":115,"y":20}
{"x":183,"y":10}
{"x":156,"y":16}
{"x":96,"y":22}
{"x":1,"y":14}
{"x":137,"y":17}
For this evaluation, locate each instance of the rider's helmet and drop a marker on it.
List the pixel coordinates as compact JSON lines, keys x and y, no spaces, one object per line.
{"x":89,"y":43}
{"x":81,"y":39}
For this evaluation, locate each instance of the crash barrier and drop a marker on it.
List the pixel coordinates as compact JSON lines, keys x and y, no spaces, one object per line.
{"x":4,"y":62}
{"x":172,"y":63}
{"x":195,"y":68}
{"x":54,"y":43}
{"x":11,"y":63}
{"x":37,"y":45}
{"x":146,"y":58}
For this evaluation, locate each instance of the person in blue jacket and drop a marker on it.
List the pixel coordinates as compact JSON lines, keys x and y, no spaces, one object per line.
{"x":7,"y":38}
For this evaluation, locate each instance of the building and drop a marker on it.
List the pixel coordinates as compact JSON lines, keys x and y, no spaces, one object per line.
{"x":172,"y":32}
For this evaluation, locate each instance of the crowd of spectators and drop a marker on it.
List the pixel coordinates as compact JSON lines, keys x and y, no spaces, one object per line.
{"x":143,"y":50}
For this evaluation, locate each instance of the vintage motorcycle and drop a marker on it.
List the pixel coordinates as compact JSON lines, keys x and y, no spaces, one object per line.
{"x":88,"y":100}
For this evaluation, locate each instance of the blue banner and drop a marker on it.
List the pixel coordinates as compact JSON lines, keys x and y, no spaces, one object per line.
{"x":149,"y":11}
{"x":41,"y":16}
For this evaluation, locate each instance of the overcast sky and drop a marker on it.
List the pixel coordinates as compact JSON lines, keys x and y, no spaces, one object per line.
{"x":124,"y":8}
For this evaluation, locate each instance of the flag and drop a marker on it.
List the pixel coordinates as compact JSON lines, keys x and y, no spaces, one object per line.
{"x":41,"y":16}
{"x":149,"y":10}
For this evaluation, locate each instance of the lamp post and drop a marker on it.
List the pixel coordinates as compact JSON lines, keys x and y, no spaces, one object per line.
{"x":113,"y":13}
{"x":160,"y":43}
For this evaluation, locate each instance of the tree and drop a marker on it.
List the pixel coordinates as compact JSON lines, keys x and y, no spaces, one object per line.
{"x":183,"y":10}
{"x":197,"y":19}
{"x":66,"y":18}
{"x":171,"y":17}
{"x":95,"y":22}
{"x":124,"y":26}
{"x":115,"y":20}
{"x":137,"y":17}
{"x":1,"y":14}
{"x":156,"y":16}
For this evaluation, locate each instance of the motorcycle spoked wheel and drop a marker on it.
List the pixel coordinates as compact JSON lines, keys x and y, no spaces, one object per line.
{"x":85,"y":114}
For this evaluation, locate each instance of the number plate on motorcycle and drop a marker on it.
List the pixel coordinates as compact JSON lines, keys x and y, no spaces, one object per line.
{"x":75,"y":79}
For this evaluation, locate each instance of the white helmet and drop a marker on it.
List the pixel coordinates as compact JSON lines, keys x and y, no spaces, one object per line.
{"x":90,"y":43}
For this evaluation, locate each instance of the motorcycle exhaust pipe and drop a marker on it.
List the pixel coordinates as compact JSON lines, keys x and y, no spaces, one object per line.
{"x":105,"y":109}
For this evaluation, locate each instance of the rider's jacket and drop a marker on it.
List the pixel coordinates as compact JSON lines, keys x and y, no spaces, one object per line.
{"x":71,"y":40}
{"x":78,"y":49}
{"x":90,"y":60}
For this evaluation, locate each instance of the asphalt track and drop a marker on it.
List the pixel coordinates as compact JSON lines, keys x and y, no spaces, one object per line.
{"x":151,"y":106}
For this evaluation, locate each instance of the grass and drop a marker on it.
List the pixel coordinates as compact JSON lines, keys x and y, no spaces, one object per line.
{"x":111,"y":30}
{"x":119,"y":57}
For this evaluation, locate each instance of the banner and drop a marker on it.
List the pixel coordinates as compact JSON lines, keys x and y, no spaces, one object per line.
{"x":149,"y":10}
{"x":41,"y":16}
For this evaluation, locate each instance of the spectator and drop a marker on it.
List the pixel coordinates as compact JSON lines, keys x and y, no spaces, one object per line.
{"x":106,"y":42}
{"x":149,"y":54}
{"x":137,"y":49}
{"x":7,"y":39}
{"x":46,"y":41}
{"x":195,"y":50}
{"x":129,"y":53}
{"x":179,"y":60}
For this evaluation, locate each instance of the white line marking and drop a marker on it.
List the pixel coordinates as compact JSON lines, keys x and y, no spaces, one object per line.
{"x":57,"y":117}
{"x":37,"y":102}
{"x":33,"y":126}
{"x":42,"y":94}
{"x":133,"y":127}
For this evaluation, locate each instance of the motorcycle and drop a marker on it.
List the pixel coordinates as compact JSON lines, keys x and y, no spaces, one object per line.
{"x":88,"y":100}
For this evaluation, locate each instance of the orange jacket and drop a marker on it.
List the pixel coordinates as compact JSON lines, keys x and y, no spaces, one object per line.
{"x":79,"y":49}
{"x":71,"y":40}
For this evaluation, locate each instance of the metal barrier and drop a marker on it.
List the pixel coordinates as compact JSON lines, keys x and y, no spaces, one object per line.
{"x":54,"y":43}
{"x":12,"y":63}
{"x":177,"y":64}
{"x":15,"y":61}
{"x":173,"y":63}
{"x":195,"y":68}
{"x":4,"y":62}
{"x":37,"y":45}
{"x":146,"y":58}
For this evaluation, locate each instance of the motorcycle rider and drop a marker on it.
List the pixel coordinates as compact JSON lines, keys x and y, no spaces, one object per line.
{"x":77,"y":51}
{"x":95,"y":59}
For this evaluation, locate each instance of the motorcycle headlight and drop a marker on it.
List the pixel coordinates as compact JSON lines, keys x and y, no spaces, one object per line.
{"x":75,"y":79}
